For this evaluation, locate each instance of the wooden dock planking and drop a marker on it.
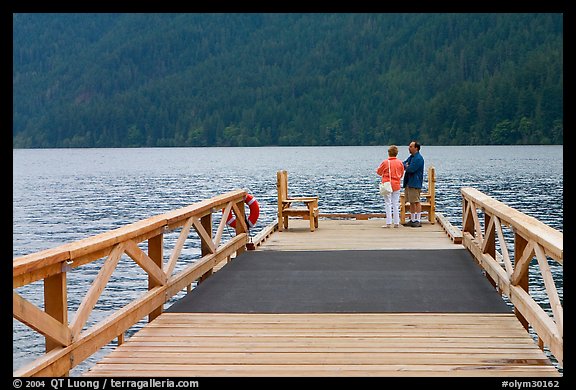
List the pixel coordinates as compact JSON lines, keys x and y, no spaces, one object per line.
{"x":333,"y":344}
{"x":328,"y":344}
{"x":349,"y":234}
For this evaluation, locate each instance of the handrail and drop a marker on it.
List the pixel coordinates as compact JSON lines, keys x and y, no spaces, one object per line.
{"x":532,"y":238}
{"x":67,"y":342}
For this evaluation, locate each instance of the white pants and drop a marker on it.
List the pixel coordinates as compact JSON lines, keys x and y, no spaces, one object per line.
{"x":392,"y":204}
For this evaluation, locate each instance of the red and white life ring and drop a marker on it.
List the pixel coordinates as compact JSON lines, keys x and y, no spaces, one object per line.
{"x":252,"y":203}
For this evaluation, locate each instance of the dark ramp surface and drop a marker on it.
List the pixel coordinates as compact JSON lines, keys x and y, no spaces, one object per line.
{"x":424,"y":281}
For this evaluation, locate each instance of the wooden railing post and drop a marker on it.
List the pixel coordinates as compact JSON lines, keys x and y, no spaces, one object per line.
{"x":55,"y":302}
{"x":282,"y":188}
{"x":432,"y":192}
{"x":519,"y":246}
{"x":156,"y":253}
{"x":206,"y":222}
{"x":241,"y":223}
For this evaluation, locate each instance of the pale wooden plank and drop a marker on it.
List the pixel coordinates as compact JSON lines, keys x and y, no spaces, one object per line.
{"x":453,"y":232}
{"x":229,"y":344}
{"x":331,"y":326}
{"x":34,"y":261}
{"x":333,"y":357}
{"x":328,"y":344}
{"x":407,"y":341}
{"x":256,"y":332}
{"x":345,"y":234}
{"x":221,"y":370}
{"x":408,"y":328}
{"x":113,"y":237}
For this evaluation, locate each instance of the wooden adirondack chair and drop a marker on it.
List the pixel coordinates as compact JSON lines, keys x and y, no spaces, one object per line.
{"x":286,"y":208}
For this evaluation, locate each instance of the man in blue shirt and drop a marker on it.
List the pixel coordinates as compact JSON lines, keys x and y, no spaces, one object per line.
{"x":413,"y":178}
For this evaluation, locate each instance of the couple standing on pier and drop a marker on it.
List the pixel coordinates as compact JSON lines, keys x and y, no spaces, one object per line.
{"x":412,"y":169}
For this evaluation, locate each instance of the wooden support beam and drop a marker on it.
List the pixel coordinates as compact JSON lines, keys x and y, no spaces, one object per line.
{"x":40,"y":321}
{"x":178,"y":247}
{"x":241,"y":226}
{"x":551,"y":290}
{"x":522,"y":263}
{"x":503,"y":247}
{"x":146,"y":263}
{"x":222,"y":224}
{"x":489,"y":243}
{"x":96,"y":289}
{"x":206,"y":239}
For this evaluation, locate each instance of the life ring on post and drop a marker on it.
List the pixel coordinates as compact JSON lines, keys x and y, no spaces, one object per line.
{"x":252,"y":203}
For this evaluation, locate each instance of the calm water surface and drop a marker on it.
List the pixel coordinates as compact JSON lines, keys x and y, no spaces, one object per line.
{"x":63,"y":195}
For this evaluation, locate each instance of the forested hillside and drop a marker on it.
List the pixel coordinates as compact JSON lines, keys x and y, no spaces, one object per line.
{"x":129,"y":80}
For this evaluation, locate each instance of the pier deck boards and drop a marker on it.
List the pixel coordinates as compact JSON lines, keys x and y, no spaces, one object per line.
{"x":320,"y":344}
{"x":375,"y":334}
{"x":351,"y":234}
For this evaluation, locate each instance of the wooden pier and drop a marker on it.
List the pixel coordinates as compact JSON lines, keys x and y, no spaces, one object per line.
{"x":341,"y":300}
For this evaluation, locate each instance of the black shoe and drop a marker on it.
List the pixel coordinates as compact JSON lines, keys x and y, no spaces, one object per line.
{"x":409,"y":224}
{"x":416,"y":224}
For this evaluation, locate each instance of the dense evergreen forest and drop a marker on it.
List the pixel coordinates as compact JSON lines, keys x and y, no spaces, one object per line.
{"x":227,"y":79}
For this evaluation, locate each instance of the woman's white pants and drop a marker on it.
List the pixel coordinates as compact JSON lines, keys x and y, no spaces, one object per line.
{"x":392,"y":207}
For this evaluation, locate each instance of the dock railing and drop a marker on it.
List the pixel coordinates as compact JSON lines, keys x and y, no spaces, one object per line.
{"x":487,"y":240}
{"x":68,"y":343}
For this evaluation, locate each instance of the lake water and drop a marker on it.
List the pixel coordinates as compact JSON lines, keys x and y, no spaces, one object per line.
{"x":63,"y":195}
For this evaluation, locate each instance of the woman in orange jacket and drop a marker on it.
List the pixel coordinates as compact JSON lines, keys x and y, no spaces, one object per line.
{"x":392,"y":170}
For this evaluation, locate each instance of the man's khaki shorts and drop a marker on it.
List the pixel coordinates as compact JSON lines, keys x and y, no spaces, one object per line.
{"x":412,"y":194}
